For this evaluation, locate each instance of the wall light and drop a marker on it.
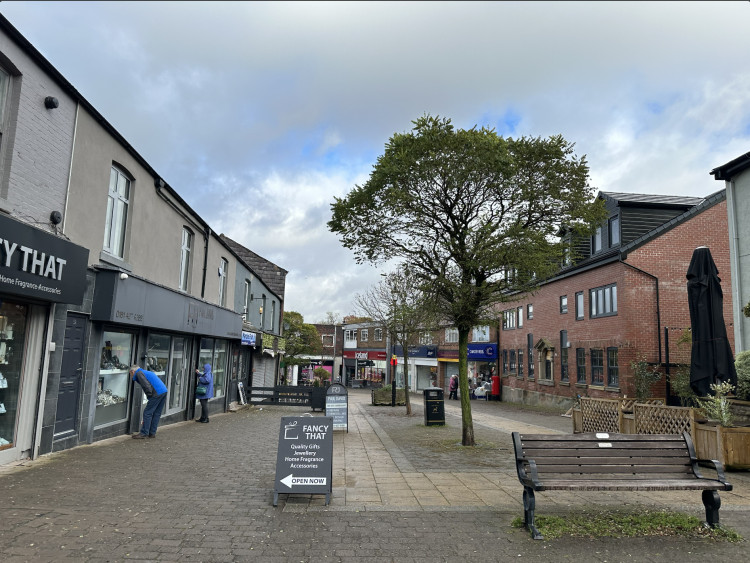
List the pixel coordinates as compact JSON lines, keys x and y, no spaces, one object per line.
{"x":123,"y":276}
{"x":51,"y":102}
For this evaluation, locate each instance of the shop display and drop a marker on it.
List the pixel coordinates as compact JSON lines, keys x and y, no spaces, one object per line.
{"x":113,"y":385}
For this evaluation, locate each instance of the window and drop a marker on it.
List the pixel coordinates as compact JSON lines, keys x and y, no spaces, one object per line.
{"x":509,"y":321}
{"x":505,"y":362}
{"x":520,"y":362}
{"x":451,"y":335}
{"x":597,"y":366}
{"x":4,"y":82}
{"x":223,"y":267}
{"x":530,"y":349}
{"x":425,"y":338}
{"x":113,"y":390}
{"x":364,"y":335}
{"x":580,"y":365}
{"x":273,"y":316}
{"x":603,"y":301}
{"x":614,"y":231}
{"x":579,"y":306}
{"x":519,"y":315}
{"x":529,"y":311}
{"x":563,"y":304}
{"x":481,"y":334}
{"x":214,"y":352}
{"x":326,"y":340}
{"x":185,"y":251}
{"x":613,"y":368}
{"x":350,"y":336}
{"x":118,"y":200}
{"x":378,"y":334}
{"x":166,"y":357}
{"x":564,"y":355}
{"x":262,"y":311}
{"x":248,"y":298}
{"x":596,"y":241}
{"x":512,"y":361}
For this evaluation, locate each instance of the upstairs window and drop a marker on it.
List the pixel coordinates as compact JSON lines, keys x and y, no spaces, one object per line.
{"x":579,"y":306}
{"x":364,"y":335}
{"x":603,"y":301}
{"x":614,"y":231}
{"x":481,"y":334}
{"x":378,"y":334}
{"x":509,"y":321}
{"x":273,"y":316}
{"x":529,"y":311}
{"x":350,"y":336}
{"x":248,"y":298}
{"x":596,"y":241}
{"x":223,"y":267}
{"x":185,"y":253}
{"x":520,"y":317}
{"x":118,"y":200}
{"x":563,"y":304}
{"x":4,"y":82}
{"x":425,"y":338}
{"x":451,"y":335}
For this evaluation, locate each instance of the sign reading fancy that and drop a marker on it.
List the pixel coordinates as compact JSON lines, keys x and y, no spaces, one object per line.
{"x":37,"y":264}
{"x":304,"y":460}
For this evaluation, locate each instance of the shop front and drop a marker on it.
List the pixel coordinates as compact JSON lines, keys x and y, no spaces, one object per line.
{"x":161,"y":330}
{"x":423,"y":367}
{"x":365,"y":368}
{"x":482,"y":362}
{"x":38,"y":272}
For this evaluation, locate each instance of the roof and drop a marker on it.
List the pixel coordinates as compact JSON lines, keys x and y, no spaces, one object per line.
{"x":270,"y":274}
{"x":732,"y":168}
{"x":652,"y":199}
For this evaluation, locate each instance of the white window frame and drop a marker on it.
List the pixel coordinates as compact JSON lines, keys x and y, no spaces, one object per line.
{"x":186,"y":251}
{"x":118,"y":204}
{"x":223,"y":267}
{"x":451,"y":335}
{"x":378,"y":335}
{"x":364,"y":334}
{"x":248,"y":298}
{"x":480,"y":333}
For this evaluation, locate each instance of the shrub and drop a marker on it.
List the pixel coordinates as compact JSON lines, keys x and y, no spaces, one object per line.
{"x":644,"y":377}
{"x":742,"y":365}
{"x":679,"y":381}
{"x":717,"y":407}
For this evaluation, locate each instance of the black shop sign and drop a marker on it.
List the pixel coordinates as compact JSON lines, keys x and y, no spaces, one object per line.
{"x":337,"y":406}
{"x":304,"y":463}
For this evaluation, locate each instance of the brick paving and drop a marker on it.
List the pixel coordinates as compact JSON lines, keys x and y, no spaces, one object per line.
{"x":401,"y":492}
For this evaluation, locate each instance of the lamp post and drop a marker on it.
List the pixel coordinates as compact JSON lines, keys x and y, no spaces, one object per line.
{"x":394,"y":362}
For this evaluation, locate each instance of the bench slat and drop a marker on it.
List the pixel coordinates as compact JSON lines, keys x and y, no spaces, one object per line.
{"x":627,"y":470}
{"x":690,"y":484}
{"x":609,"y":460}
{"x":537,"y":453}
{"x":595,"y":445}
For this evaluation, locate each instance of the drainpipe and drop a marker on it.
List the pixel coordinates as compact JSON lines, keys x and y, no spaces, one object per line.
{"x":658,"y":308}
{"x":206,"y":236}
{"x":734,"y":243}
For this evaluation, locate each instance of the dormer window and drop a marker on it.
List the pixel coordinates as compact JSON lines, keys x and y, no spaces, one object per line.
{"x":614,"y":231}
{"x":596,"y":241}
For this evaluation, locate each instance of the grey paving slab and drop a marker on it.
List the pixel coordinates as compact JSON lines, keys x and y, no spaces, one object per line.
{"x":401,"y":492}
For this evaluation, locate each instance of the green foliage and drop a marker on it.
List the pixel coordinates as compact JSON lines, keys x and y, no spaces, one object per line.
{"x":746,"y":309}
{"x":742,"y":365}
{"x":301,"y":339}
{"x":321,"y":374}
{"x":717,"y":406}
{"x":644,"y":377}
{"x":628,"y":525}
{"x":680,"y":384}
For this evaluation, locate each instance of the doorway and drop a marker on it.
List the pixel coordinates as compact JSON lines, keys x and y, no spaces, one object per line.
{"x":71,"y":376}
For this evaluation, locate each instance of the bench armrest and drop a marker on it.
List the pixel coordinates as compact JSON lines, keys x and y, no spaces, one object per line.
{"x":530,"y":478}
{"x":720,"y":477}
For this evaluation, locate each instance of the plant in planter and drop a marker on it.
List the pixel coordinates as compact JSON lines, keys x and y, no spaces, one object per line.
{"x":717,"y":406}
{"x":679,"y":381}
{"x":742,"y":366}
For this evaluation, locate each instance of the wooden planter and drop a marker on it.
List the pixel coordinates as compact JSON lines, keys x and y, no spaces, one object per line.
{"x":384,"y":396}
{"x":730,"y":445}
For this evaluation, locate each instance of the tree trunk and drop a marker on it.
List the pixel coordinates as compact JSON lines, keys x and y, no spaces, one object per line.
{"x":406,"y":382}
{"x":467,"y":436}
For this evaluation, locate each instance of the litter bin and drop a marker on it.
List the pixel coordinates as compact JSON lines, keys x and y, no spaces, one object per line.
{"x":434,"y":407}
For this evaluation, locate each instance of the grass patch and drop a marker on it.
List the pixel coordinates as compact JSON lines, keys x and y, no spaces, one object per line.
{"x":615,"y":524}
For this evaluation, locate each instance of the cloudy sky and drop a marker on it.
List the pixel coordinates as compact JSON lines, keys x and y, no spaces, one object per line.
{"x":259,"y":113}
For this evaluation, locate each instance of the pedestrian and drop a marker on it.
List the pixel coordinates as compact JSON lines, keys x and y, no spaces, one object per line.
{"x":156,"y":392}
{"x":204,"y":390}
{"x":453,"y":387}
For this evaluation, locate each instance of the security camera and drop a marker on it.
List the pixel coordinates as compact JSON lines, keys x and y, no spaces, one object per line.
{"x":123,"y":276}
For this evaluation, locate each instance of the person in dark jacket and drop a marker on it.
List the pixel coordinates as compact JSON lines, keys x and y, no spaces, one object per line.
{"x":156,"y":391}
{"x":453,"y":387}
{"x":205,"y":379}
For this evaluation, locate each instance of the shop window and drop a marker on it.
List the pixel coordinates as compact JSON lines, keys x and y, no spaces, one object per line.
{"x":113,"y":387}
{"x":185,"y":261}
{"x":597,"y":366}
{"x":167,"y":357}
{"x":580,"y":365}
{"x":12,"y":345}
{"x":214,"y":352}
{"x":613,"y":368}
{"x":118,"y":201}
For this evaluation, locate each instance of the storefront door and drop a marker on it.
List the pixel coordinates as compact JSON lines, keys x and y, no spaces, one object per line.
{"x":71,"y":375}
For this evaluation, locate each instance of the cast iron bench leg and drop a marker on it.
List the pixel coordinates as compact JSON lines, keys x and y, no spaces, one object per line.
{"x":712,"y":502}
{"x":528,"y":513}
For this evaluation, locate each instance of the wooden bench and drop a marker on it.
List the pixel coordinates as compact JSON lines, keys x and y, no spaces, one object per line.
{"x":612,"y":462}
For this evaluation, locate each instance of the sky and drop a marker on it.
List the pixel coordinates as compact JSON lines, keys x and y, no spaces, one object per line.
{"x":260,"y":113}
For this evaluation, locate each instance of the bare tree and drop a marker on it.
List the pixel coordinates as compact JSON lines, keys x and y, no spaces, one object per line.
{"x":398,"y":304}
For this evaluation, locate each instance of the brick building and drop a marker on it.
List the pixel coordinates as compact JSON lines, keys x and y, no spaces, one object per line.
{"x":623,"y":299}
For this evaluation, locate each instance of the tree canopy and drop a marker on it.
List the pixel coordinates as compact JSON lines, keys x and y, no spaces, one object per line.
{"x":301,"y":339}
{"x":475,"y":216}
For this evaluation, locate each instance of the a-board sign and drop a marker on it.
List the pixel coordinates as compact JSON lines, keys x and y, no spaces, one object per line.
{"x":241,"y":391}
{"x":337,"y":406}
{"x":304,"y":461}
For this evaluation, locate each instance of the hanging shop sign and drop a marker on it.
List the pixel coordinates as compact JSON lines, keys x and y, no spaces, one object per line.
{"x":482,"y":352}
{"x":39,"y":265}
{"x":248,"y":338}
{"x":304,"y":462}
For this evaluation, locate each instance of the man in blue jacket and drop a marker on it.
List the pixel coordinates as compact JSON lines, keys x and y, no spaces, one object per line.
{"x":156,"y":391}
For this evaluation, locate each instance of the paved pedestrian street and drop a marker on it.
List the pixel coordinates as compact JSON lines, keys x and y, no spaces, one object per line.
{"x":402,"y":491}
